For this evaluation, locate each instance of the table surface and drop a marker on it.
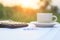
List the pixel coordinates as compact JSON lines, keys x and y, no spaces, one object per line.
{"x":30,"y":33}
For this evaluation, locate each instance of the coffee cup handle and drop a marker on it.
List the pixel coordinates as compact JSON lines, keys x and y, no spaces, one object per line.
{"x":55,"y":18}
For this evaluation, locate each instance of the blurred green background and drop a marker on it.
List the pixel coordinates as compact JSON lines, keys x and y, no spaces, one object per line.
{"x":7,"y":13}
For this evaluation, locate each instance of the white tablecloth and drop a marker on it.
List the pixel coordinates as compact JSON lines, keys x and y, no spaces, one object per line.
{"x":30,"y":33}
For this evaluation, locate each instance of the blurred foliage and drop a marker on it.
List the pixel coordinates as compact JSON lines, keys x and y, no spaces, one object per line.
{"x":10,"y":13}
{"x":7,"y":13}
{"x":54,"y":9}
{"x":1,"y":10}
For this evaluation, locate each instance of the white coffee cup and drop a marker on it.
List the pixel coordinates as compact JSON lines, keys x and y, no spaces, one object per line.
{"x":46,"y":17}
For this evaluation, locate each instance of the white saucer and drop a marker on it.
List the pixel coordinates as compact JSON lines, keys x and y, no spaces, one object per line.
{"x":44,"y":24}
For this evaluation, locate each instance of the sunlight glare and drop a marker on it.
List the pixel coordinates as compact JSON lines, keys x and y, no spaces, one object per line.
{"x":24,"y":3}
{"x":30,"y":3}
